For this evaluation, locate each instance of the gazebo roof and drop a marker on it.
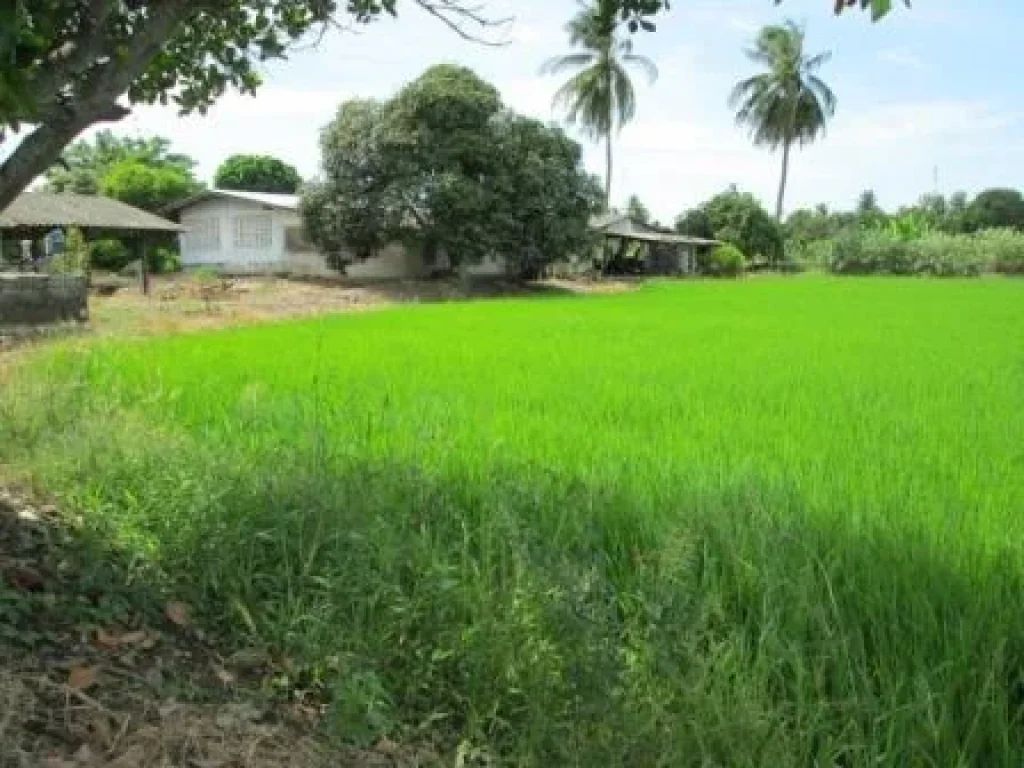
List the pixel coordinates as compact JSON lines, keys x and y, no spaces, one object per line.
{"x":625,"y":226}
{"x":45,"y":210}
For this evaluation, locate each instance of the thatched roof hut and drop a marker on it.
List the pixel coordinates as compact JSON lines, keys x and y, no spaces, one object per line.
{"x":37,"y":212}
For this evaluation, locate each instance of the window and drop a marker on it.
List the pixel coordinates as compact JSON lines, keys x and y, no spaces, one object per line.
{"x":295,"y":241}
{"x":202,"y":235}
{"x":253,"y":231}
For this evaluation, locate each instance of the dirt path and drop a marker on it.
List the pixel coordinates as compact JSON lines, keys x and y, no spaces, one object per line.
{"x":180,"y":303}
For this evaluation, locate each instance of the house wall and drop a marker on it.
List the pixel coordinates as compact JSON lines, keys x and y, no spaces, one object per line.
{"x":211,"y":237}
{"x":284,"y":254}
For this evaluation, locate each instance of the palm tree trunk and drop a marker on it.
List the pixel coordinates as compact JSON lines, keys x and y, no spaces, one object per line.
{"x":782,"y":182}
{"x":608,"y":172}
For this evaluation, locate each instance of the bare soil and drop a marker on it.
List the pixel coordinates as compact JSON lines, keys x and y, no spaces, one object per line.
{"x":183,"y":303}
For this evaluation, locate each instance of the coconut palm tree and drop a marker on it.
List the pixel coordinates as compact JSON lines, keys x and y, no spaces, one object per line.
{"x":599,"y":97}
{"x":788,"y":104}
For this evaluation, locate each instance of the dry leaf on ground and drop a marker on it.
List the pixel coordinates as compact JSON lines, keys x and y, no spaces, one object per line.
{"x":177,"y":612}
{"x":106,"y":640}
{"x":82,"y":677}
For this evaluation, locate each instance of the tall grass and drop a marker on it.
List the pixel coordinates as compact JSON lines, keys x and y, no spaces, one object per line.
{"x":773,"y":522}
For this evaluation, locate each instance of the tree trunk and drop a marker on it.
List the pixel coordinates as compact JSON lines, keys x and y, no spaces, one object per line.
{"x":608,"y":172}
{"x":94,"y":97}
{"x":782,"y":181}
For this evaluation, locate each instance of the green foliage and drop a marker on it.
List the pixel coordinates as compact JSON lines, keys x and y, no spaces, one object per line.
{"x":695,"y":223}
{"x":86,"y":164}
{"x":805,"y":224}
{"x":75,"y":258}
{"x":738,"y":218}
{"x":258,"y":173}
{"x":599,"y":97}
{"x":66,"y":65}
{"x":443,"y":167}
{"x":788,"y":103}
{"x":727,"y":261}
{"x":145,"y":186}
{"x":907,"y":226}
{"x":635,"y":207}
{"x":996,"y":209}
{"x":895,"y":251}
{"x":762,"y":524}
{"x":166,"y":260}
{"x":638,"y":12}
{"x":1003,"y":249}
{"x":109,"y":254}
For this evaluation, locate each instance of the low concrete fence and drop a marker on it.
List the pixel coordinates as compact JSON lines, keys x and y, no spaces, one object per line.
{"x":31,"y":299}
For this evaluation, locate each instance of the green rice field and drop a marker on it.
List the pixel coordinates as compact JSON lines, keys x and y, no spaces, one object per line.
{"x":767,"y":522}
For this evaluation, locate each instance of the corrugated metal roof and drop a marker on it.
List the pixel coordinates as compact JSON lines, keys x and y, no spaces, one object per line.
{"x":624,"y":225}
{"x":286,"y":202}
{"x":38,"y":210}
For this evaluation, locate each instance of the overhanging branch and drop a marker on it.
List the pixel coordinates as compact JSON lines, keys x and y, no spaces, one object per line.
{"x":463,"y":19}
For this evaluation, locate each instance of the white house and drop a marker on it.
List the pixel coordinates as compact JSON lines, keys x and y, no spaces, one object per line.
{"x":258,"y":233}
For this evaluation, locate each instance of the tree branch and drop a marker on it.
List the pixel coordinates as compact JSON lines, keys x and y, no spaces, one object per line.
{"x":93,"y":101}
{"x":457,"y":16}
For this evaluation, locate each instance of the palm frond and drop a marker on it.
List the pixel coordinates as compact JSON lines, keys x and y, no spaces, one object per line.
{"x":648,"y":67}
{"x":571,"y":61}
{"x":788,"y":102}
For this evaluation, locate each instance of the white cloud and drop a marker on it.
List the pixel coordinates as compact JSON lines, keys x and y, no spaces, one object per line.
{"x":901,"y":57}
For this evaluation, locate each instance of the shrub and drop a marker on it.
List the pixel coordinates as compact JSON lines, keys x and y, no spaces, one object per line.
{"x":871,"y":251}
{"x":1004,"y":249}
{"x":166,"y":260}
{"x":810,"y":254}
{"x":893,"y":251}
{"x":109,"y":254}
{"x":727,"y":261}
{"x":74,"y":259}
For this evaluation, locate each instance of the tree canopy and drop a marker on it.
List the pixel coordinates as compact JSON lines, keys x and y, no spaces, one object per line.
{"x":996,"y":208}
{"x":638,"y":13}
{"x":258,"y":173}
{"x":599,"y":97}
{"x":636,"y":209}
{"x":445,"y":168}
{"x":787,"y":103}
{"x":737,"y":218}
{"x":66,"y":64}
{"x":150,"y":187}
{"x":85,"y":165}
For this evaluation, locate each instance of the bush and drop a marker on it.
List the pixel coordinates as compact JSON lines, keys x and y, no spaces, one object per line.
{"x":727,"y":261}
{"x":74,"y":259}
{"x":810,"y":254}
{"x":1004,"y":249}
{"x":889,"y":252}
{"x":109,"y":254}
{"x":166,"y":260}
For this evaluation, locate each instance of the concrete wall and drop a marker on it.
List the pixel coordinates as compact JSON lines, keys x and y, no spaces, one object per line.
{"x":30,"y":299}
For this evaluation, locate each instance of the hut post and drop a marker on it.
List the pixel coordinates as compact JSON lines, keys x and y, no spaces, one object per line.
{"x":144,"y":262}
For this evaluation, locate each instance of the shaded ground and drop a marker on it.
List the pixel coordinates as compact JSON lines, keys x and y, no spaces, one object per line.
{"x":181,"y":303}
{"x":99,"y":668}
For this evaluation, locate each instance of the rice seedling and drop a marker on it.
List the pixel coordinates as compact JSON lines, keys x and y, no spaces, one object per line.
{"x":701,"y":524}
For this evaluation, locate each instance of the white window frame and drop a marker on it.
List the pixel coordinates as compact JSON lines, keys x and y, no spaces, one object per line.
{"x":254,"y":231}
{"x":203,"y":234}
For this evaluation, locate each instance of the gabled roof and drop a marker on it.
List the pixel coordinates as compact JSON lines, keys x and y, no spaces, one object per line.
{"x":284,"y":202}
{"x":45,"y":210}
{"x":623,"y":225}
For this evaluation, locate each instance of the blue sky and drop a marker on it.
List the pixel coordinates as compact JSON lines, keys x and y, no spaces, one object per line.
{"x":932,"y":92}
